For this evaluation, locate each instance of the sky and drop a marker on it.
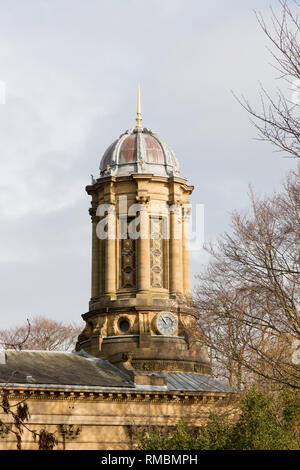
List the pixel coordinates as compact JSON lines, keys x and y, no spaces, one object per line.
{"x":70,"y":71}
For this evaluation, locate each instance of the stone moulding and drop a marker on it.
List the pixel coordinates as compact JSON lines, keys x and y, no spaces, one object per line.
{"x":120,"y":396}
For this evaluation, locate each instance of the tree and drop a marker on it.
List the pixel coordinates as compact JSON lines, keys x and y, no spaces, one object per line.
{"x":278,"y":121}
{"x":265,"y":422}
{"x":19,"y":414}
{"x":42,"y":334}
{"x":248,"y":297}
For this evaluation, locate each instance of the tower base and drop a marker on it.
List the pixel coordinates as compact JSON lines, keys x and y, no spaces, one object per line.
{"x":125,"y":332}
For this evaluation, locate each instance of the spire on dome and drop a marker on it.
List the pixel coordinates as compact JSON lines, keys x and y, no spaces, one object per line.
{"x":139,"y":151}
{"x":138,"y":110}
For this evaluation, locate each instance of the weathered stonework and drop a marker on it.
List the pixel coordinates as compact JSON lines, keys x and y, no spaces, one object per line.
{"x":142,"y":277}
{"x":139,"y":362}
{"x":108,"y":420}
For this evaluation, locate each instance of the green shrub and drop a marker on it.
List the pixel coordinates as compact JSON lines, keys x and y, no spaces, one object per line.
{"x":266,"y":422}
{"x":262,"y":426}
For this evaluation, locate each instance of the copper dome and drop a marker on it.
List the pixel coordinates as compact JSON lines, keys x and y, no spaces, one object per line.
{"x":139,"y":151}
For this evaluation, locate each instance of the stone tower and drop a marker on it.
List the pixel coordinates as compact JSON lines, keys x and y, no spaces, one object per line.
{"x":140,"y":314}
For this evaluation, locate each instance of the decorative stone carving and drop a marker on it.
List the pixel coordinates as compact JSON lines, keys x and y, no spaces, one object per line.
{"x":126,"y":360}
{"x":69,"y":431}
{"x":171,"y":366}
{"x":86,"y":332}
{"x":159,"y":365}
{"x":143,"y":199}
{"x":128,"y":263}
{"x":98,"y":325}
{"x":94,"y":328}
{"x":156,"y":252}
{"x":92,"y":212}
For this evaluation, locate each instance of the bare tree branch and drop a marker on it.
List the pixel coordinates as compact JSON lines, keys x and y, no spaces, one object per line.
{"x":278,"y":121}
{"x":18,"y":344}
{"x":249,"y":296}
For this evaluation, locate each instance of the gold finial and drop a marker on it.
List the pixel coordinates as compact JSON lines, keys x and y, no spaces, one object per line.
{"x":138,"y":110}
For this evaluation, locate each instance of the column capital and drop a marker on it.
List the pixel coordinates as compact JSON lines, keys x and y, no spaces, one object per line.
{"x":176,"y":210}
{"x":92,"y":212}
{"x":175,"y":204}
{"x":143,"y":199}
{"x":186,"y":212}
{"x":111,"y":208}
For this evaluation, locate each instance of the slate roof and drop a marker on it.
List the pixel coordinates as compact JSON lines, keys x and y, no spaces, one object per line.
{"x":80,"y":371}
{"x":193,"y":382}
{"x":59,"y":368}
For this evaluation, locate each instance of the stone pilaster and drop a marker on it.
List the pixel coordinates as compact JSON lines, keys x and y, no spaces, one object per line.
{"x":110,"y":255}
{"x":186,"y":212}
{"x":175,"y":260}
{"x":143,"y":259}
{"x":95,"y":255}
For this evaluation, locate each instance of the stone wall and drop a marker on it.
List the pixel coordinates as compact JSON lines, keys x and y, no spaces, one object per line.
{"x":105,"y":420}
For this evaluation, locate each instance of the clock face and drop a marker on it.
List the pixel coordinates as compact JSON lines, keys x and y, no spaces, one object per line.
{"x":166,"y":323}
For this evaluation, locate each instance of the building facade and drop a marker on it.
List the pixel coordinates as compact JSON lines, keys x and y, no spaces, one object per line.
{"x":140,"y":360}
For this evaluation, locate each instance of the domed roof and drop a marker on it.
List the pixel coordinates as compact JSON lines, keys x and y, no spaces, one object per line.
{"x":139,"y":150}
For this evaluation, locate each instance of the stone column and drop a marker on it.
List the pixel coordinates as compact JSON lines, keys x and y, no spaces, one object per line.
{"x":143,"y":261}
{"x":175,"y":259}
{"x":186,"y":212}
{"x":110,"y":253}
{"x":95,"y":255}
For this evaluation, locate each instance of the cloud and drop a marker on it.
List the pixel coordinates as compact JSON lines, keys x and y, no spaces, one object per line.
{"x":71,"y":69}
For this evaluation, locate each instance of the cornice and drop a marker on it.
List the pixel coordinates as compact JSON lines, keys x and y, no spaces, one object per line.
{"x":138,"y":176}
{"x":59,"y":394}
